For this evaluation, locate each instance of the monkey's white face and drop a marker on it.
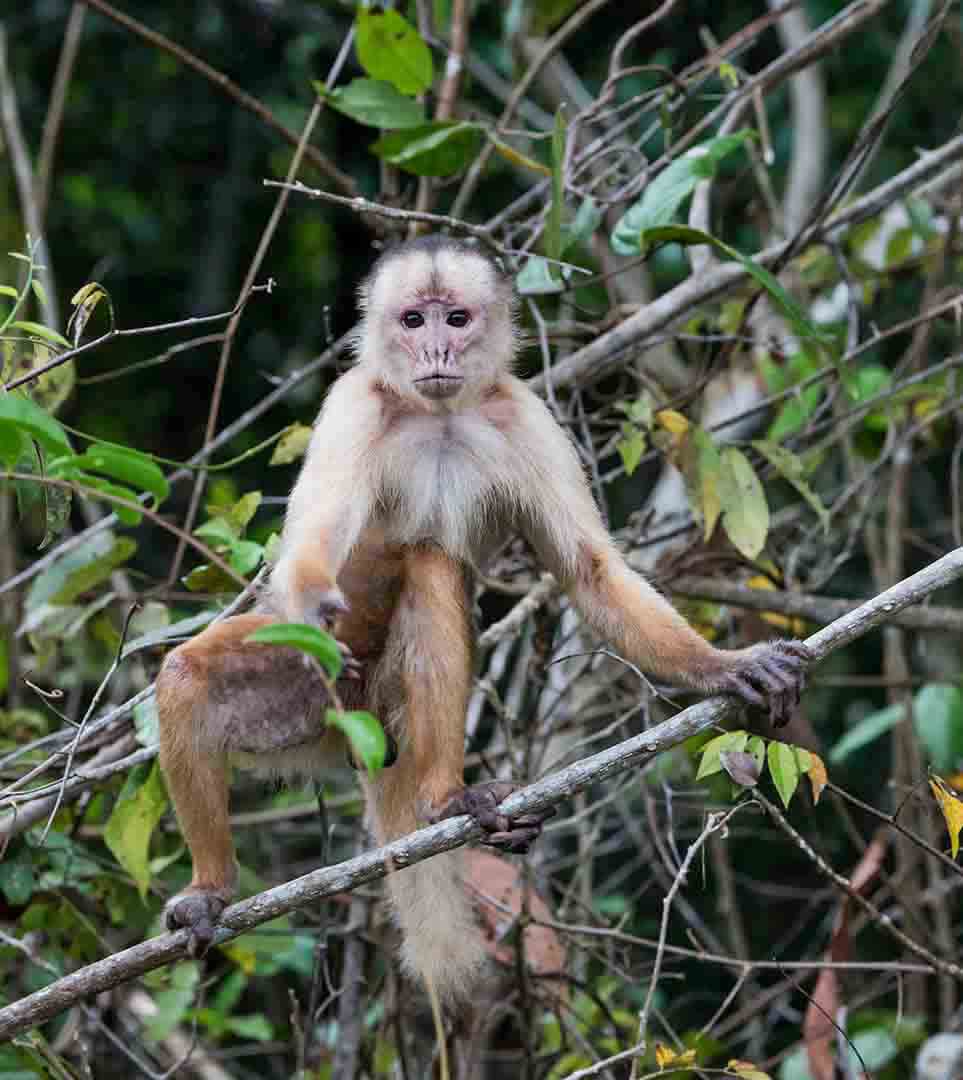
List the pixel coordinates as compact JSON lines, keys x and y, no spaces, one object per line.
{"x":434,"y":333}
{"x":441,"y":323}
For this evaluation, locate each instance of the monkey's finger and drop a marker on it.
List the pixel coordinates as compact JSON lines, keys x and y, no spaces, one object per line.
{"x":514,"y":840}
{"x":739,"y":684}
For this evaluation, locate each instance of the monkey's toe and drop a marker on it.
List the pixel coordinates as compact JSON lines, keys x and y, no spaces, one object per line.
{"x":198,"y":911}
{"x":481,"y":801}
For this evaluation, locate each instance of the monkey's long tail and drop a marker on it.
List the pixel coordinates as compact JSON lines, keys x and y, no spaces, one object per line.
{"x":441,"y":938}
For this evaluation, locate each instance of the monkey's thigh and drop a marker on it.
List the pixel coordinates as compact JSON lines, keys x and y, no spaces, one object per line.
{"x":240,"y":697}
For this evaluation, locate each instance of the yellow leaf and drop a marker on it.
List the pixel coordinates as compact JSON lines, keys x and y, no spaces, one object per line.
{"x":817,"y":774}
{"x":746,"y":1070}
{"x":672,"y":421}
{"x":952,"y":809}
{"x":292,"y":444}
{"x":664,"y":1055}
{"x":517,"y":158}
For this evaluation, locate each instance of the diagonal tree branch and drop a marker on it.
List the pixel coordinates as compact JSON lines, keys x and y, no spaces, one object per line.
{"x":167,"y":948}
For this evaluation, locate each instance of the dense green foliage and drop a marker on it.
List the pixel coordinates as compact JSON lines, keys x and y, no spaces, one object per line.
{"x":843,"y":476}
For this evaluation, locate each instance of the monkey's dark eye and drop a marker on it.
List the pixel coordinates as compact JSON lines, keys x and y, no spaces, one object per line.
{"x":411,"y":320}
{"x":459,"y":318}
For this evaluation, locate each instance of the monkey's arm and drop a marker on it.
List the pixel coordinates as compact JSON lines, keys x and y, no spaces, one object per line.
{"x":330,"y":505}
{"x":567,"y":531}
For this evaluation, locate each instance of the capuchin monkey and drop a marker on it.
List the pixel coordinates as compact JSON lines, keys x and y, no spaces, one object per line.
{"x":426,"y":454}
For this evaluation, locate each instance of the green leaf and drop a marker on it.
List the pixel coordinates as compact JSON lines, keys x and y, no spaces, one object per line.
{"x":256,"y":1027}
{"x":587,"y":219}
{"x":867,"y":381}
{"x":665,"y":194}
{"x":866,"y":731}
{"x":553,"y":226}
{"x":209,"y":579}
{"x":938,"y":716}
{"x":430,"y":150}
{"x":757,"y":748}
{"x":710,"y":763}
{"x":391,"y":49}
{"x":80,"y":570}
{"x":743,"y":501}
{"x":218,"y":531}
{"x":17,"y":410}
{"x":791,"y":468}
{"x":127,"y":515}
{"x":364,"y":733}
{"x":122,"y":463}
{"x":797,"y":318}
{"x":139,"y":807}
{"x":9,"y":290}
{"x":308,"y":639}
{"x":377,"y":104}
{"x":631,"y":447}
{"x":174,"y":1001}
{"x":244,"y":556}
{"x":39,"y":291}
{"x":17,"y":878}
{"x":872,"y":1050}
{"x":12,"y":446}
{"x":704,"y":486}
{"x":36,"y":329}
{"x":241,"y":513}
{"x":536,"y":279}
{"x":784,"y":769}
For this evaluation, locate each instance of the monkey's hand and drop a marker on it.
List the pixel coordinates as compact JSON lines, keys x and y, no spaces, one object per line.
{"x":770,"y":676}
{"x":481,"y":801}
{"x":198,"y":911}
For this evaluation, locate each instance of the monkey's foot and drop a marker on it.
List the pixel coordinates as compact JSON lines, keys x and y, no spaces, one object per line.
{"x":771,"y":676}
{"x":481,"y":801}
{"x":198,"y":911}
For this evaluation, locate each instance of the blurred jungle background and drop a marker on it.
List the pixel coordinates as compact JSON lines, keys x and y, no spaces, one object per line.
{"x":735,"y":231}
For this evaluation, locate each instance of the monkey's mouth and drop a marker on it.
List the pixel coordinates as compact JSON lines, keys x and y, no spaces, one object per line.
{"x":439,"y":386}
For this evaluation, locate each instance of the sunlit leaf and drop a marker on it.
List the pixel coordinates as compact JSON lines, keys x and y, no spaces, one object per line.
{"x":391,"y":49}
{"x":665,"y":194}
{"x":711,"y":763}
{"x":745,"y":512}
{"x":292,"y":445}
{"x":631,"y":447}
{"x":784,"y":770}
{"x":139,"y":807}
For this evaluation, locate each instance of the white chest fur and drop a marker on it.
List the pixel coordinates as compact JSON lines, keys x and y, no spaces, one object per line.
{"x":448,"y":479}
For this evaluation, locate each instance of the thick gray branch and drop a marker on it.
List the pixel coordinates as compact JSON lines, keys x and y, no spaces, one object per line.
{"x":139,"y":959}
